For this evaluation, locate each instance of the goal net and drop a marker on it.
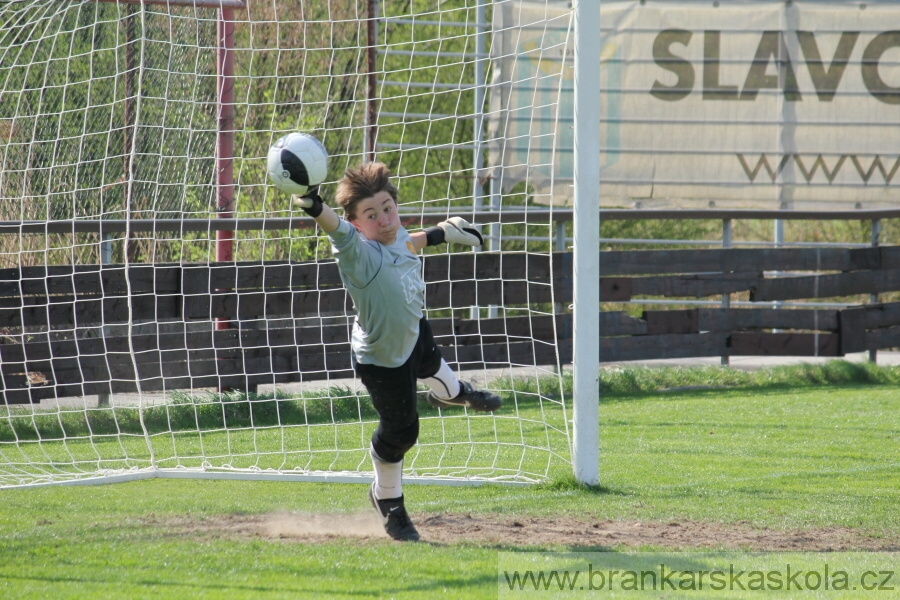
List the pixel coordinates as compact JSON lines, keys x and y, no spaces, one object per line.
{"x":165,"y":312}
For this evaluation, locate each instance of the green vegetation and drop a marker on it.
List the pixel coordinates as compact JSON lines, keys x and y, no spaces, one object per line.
{"x":629,"y":381}
{"x":301,"y":68}
{"x":751,"y":451}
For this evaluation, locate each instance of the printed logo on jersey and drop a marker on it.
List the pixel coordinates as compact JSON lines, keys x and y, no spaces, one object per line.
{"x":412,"y":283}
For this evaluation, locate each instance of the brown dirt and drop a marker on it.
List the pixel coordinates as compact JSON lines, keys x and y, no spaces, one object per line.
{"x":554,"y":533}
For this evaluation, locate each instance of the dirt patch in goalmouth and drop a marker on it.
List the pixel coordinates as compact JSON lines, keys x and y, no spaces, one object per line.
{"x":565,"y":532}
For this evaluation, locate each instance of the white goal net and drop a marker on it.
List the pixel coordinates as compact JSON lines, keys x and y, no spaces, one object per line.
{"x":164,"y":311}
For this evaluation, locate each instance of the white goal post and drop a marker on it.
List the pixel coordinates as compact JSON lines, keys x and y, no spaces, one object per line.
{"x":165,"y":312}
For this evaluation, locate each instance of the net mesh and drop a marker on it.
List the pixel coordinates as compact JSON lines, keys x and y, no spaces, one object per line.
{"x":129,"y":344}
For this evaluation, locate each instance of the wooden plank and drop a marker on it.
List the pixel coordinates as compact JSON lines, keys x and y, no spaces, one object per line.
{"x":615,"y":289}
{"x":694,"y":286}
{"x":852,"y":330}
{"x":316,"y":368}
{"x":653,"y":347}
{"x":298,"y":337}
{"x":784,"y":344}
{"x":501,"y":355}
{"x":118,"y":348}
{"x":254,"y":347}
{"x":44,"y":350}
{"x":64,"y":373}
{"x":481,"y":331}
{"x":442,"y":327}
{"x":736,"y":319}
{"x":270,"y":276}
{"x":671,"y":321}
{"x":16,"y":380}
{"x":173,"y":278}
{"x":621,"y":323}
{"x":564,"y":273}
{"x":508,"y":266}
{"x":255,"y":305}
{"x":89,"y":279}
{"x":826,"y":286}
{"x":884,"y":338}
{"x":204,"y":278}
{"x":659,"y":262}
{"x":861,"y":259}
{"x":814,"y":286}
{"x":653,"y":262}
{"x":882,"y":315}
{"x":459,"y":294}
{"x":79,"y":368}
{"x":27,"y":395}
{"x":96,"y":311}
{"x":10,"y":284}
{"x":890,"y":257}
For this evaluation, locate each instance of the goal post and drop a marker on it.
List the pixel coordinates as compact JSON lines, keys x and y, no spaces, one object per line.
{"x":164,"y":312}
{"x":586,"y":355}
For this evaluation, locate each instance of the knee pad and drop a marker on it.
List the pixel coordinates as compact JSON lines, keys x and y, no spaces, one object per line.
{"x":391,"y":445}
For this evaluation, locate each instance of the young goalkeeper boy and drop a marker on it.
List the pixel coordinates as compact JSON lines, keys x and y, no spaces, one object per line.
{"x":392,"y":343}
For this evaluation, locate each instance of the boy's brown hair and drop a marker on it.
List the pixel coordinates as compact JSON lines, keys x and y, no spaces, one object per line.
{"x":363,"y":182}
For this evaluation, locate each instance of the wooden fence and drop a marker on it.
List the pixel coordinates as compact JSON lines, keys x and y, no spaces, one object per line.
{"x":76,"y":330}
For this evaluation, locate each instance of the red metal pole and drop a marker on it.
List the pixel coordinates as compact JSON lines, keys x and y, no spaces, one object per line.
{"x":225,"y":142}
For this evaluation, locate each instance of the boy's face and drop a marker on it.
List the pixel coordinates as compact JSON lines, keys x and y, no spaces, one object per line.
{"x":377,"y":218}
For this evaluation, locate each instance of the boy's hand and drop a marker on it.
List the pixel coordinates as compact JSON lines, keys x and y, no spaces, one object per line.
{"x":457,"y":230}
{"x":311,"y":203}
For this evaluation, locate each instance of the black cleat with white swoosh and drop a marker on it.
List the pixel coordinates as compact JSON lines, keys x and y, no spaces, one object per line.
{"x":394,"y":517}
{"x":469,"y":397}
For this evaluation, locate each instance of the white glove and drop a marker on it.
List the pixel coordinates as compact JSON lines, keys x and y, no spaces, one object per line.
{"x":459,"y":231}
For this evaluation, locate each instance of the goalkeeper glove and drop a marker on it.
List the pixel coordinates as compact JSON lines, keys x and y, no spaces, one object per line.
{"x":454,"y":230}
{"x":311,"y":203}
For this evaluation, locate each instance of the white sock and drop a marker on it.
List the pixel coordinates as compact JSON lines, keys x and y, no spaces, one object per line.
{"x":388,"y":478}
{"x":444,"y":383}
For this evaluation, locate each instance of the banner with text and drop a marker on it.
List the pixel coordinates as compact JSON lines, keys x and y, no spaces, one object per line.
{"x":732,"y":104}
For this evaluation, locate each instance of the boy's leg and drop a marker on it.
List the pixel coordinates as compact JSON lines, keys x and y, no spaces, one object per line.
{"x":468,"y":397}
{"x":444,"y":383}
{"x":388,"y":476}
{"x":393,"y":394}
{"x":446,"y":390}
{"x":391,"y":508}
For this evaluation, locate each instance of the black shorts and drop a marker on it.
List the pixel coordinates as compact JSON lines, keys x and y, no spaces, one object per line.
{"x":393,"y":392}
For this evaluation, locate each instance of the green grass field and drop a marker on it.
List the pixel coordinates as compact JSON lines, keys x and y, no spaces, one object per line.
{"x":800,"y":449}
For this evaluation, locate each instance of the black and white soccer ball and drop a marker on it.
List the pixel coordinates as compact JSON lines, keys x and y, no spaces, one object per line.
{"x":297,"y":163}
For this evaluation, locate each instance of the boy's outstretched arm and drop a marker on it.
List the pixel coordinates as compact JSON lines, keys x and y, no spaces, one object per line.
{"x":324,"y":215}
{"x":454,"y":230}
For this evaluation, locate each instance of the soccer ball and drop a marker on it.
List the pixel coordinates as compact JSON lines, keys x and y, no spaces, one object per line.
{"x":297,"y":163}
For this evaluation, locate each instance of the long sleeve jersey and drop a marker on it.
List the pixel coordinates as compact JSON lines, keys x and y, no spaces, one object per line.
{"x":388,"y":292}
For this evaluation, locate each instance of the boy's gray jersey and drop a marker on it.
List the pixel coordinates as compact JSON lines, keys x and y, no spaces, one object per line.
{"x":388,"y":294}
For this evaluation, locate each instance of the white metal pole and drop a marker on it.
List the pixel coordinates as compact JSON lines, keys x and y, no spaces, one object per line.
{"x":586,"y":343}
